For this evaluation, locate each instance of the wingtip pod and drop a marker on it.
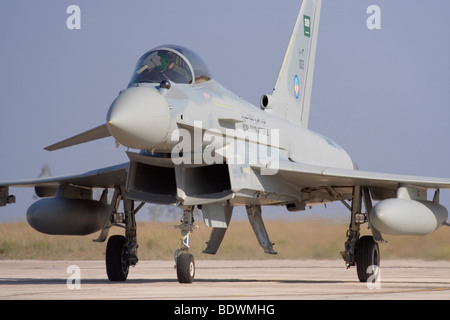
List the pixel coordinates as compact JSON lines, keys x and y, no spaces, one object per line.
{"x":294,"y":83}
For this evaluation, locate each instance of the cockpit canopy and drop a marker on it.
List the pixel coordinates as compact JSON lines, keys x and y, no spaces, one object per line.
{"x":173,"y":63}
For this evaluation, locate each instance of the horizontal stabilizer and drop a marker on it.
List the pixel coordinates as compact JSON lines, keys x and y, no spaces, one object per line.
{"x":90,"y":135}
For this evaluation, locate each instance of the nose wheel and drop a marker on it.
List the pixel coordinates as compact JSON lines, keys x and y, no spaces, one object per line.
{"x":185,"y":267}
{"x":184,"y":261}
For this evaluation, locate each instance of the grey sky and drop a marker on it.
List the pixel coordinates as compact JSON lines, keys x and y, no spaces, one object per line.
{"x":383,"y":95}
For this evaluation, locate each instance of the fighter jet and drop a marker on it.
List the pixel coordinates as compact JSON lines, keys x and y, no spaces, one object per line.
{"x":193,"y":143}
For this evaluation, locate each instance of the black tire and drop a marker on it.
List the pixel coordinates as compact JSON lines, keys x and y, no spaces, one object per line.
{"x":367,"y":259}
{"x":185,"y":268}
{"x":116,"y":264}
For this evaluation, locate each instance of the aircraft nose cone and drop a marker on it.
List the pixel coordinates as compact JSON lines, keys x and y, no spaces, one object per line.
{"x":139,"y":118}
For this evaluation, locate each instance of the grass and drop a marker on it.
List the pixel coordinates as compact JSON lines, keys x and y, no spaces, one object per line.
{"x":304,"y":239}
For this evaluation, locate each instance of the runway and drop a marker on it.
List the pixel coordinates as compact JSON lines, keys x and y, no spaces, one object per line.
{"x":223,"y":280}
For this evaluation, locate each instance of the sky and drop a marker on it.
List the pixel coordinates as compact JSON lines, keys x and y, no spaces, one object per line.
{"x":382,"y":94}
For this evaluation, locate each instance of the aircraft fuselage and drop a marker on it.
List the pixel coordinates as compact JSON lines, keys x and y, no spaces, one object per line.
{"x":212,"y":110}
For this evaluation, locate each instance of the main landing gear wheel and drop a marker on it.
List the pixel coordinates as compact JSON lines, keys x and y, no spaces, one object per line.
{"x":185,"y":267}
{"x":367,"y":259}
{"x":116,"y":263}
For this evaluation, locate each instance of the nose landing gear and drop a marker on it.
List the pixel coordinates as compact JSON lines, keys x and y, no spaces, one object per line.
{"x":184,"y":261}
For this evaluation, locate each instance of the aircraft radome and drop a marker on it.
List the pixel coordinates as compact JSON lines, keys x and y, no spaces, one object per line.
{"x":192,"y":143}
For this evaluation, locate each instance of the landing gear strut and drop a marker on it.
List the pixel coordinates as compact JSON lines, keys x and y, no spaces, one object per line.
{"x":121,"y":251}
{"x":184,"y":261}
{"x":361,"y":251}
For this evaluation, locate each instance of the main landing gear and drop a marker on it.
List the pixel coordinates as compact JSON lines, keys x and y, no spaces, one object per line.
{"x":121,"y":251}
{"x":361,"y":251}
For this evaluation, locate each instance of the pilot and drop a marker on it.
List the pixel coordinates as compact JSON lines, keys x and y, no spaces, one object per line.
{"x":163,"y":65}
{"x":155,"y":60}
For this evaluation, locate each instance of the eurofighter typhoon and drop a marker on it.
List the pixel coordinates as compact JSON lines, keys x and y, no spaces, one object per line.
{"x":192,"y":143}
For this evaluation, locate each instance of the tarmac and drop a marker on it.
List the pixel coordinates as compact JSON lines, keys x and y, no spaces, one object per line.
{"x":224,"y":280}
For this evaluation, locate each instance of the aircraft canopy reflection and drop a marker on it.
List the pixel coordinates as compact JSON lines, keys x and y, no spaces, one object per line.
{"x":170,"y":63}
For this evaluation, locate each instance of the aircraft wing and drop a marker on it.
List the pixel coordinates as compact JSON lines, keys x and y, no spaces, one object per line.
{"x":100,"y":178}
{"x":311,"y":176}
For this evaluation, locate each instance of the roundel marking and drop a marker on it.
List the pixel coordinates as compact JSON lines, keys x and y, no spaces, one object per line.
{"x":296,"y":87}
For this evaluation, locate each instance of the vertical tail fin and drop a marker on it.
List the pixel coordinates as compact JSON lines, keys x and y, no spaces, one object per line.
{"x":291,"y":96}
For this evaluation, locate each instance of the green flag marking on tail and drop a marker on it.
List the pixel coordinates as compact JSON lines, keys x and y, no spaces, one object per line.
{"x":306,"y":23}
